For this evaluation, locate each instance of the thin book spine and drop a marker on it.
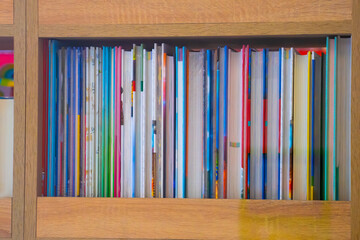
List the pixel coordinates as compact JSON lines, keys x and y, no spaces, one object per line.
{"x":45,"y":118}
{"x":265,"y":96}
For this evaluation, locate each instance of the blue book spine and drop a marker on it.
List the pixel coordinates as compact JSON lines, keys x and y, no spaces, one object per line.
{"x":208,"y":135}
{"x":217,"y":122}
{"x":184,"y":120}
{"x":73,"y":134}
{"x":49,"y":175}
{"x":265,"y":79}
{"x":67,"y":111}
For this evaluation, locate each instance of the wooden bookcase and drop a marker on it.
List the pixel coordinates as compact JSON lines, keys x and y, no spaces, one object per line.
{"x":12,"y":36}
{"x":126,"y":20}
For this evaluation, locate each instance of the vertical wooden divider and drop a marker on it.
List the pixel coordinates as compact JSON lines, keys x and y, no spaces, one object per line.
{"x":355,"y":122}
{"x":19,"y":121}
{"x":32,"y":110}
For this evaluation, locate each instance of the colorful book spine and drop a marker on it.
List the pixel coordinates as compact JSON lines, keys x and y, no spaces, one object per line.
{"x":280,"y":164}
{"x":153,"y":120}
{"x":133,"y":118}
{"x":265,"y":98}
{"x":83,"y":68}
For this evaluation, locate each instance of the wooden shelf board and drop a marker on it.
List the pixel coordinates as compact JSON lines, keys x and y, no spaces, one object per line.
{"x":196,"y":30}
{"x":191,"y":218}
{"x":6,"y":30}
{"x":5,"y":217}
{"x":91,"y":12}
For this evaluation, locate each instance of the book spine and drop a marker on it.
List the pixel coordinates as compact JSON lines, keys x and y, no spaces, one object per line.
{"x":265,"y":114}
{"x":45,"y":118}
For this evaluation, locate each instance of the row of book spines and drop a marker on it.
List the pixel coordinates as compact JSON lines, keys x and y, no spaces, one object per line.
{"x":264,"y":122}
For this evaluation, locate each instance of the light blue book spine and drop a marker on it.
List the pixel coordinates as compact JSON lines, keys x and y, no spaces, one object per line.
{"x":67,"y":117}
{"x":73,"y":133}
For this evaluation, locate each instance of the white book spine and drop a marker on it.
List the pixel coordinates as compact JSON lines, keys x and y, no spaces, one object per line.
{"x":196,"y":124}
{"x":235,"y":89}
{"x":181,"y":128}
{"x":256,"y":139}
{"x":273,"y":183}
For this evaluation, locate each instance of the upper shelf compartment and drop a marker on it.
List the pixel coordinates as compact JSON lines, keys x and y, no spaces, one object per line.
{"x":6,"y":18}
{"x":6,"y":12}
{"x":128,"y":18}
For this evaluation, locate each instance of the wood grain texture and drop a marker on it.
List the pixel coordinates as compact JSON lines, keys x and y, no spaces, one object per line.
{"x":355,"y":123}
{"x":19,"y":120}
{"x":32,"y":109}
{"x":90,"y":12}
{"x":5,"y":217}
{"x":191,"y":218}
{"x":6,"y":30}
{"x":196,"y":30}
{"x":6,"y":12}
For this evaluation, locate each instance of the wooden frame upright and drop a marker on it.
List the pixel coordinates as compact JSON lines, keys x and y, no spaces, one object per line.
{"x":12,"y":35}
{"x":184,"y":218}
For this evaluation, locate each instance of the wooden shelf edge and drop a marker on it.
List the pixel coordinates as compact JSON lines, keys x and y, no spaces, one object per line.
{"x":5,"y":218}
{"x":7,"y":30}
{"x":196,"y":30}
{"x":190,"y":218}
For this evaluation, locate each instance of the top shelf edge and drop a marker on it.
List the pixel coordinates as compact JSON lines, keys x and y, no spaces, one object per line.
{"x":179,"y":30}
